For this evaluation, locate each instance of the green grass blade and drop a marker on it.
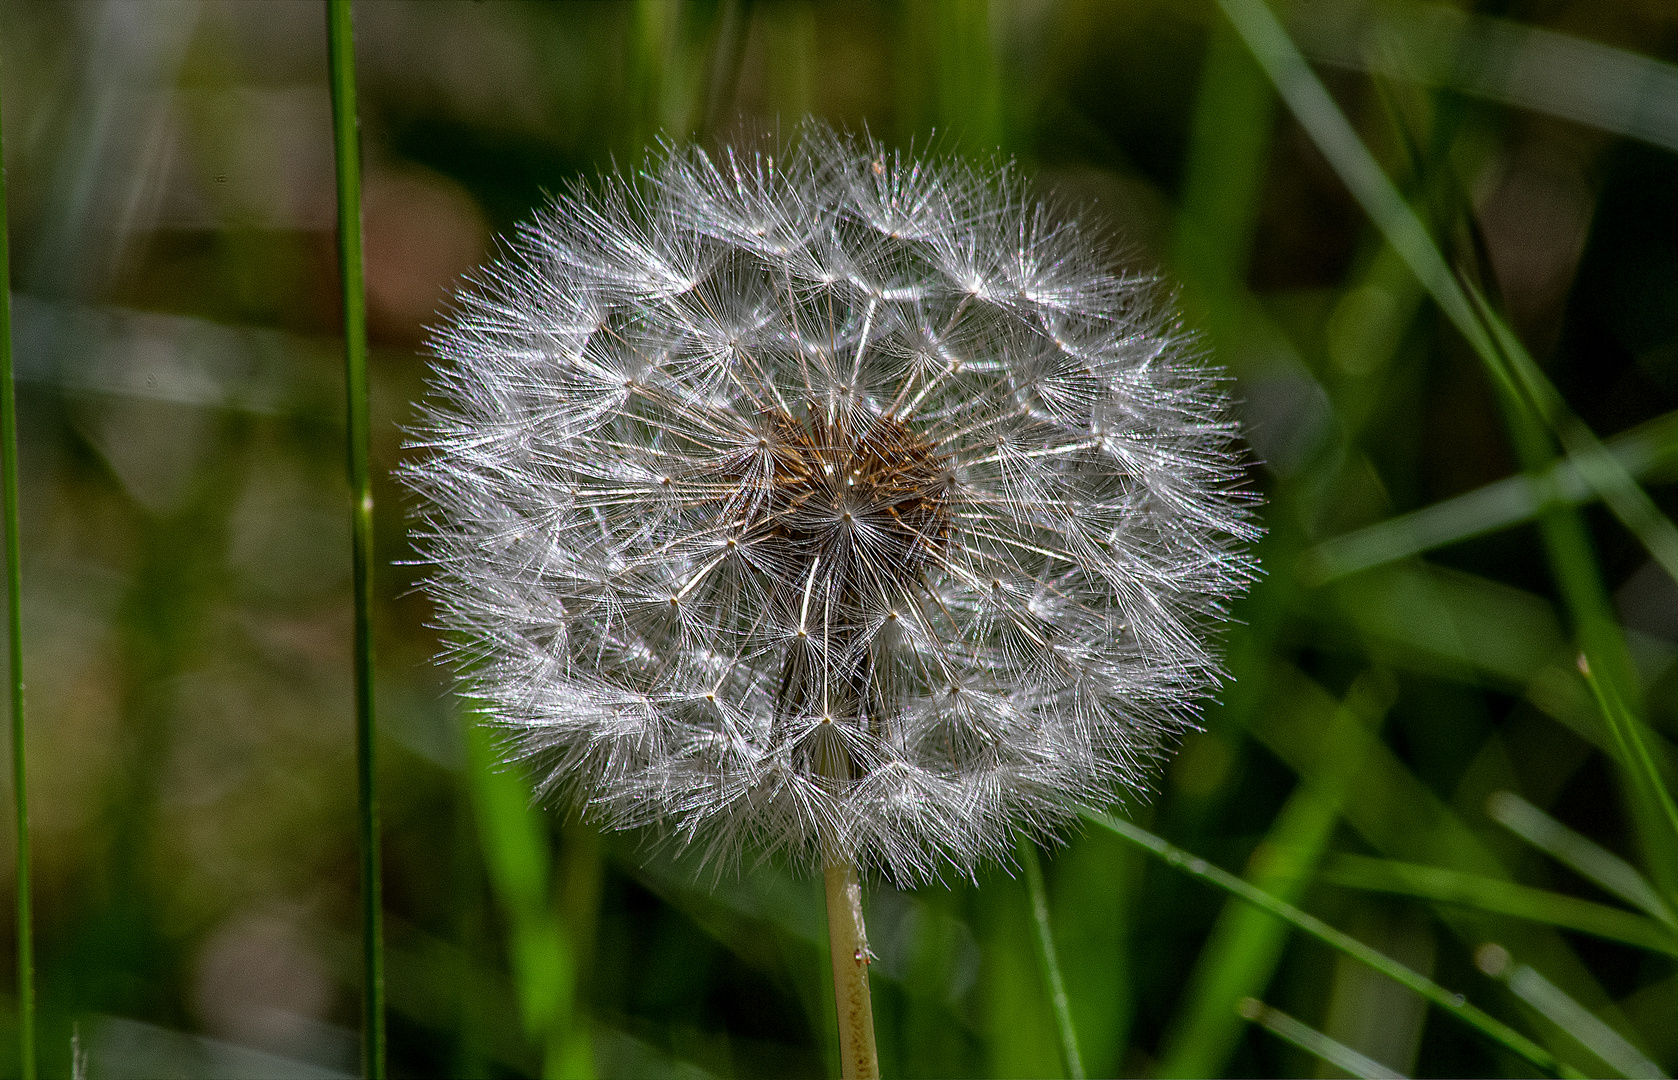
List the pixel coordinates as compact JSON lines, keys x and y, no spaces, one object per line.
{"x":1583,"y":855}
{"x":346,"y":144}
{"x":1584,"y":81}
{"x":540,"y":951}
{"x":1649,"y":451}
{"x":1490,"y":338}
{"x":1098,"y":954}
{"x":1528,"y":409}
{"x":1312,"y":1041}
{"x":1228,"y":143}
{"x":1246,"y":943}
{"x":1453,"y":1004}
{"x":1551,"y":1002}
{"x":1357,"y":168}
{"x":1634,"y":747}
{"x":1592,"y":461}
{"x":1500,"y":898}
{"x":14,"y":656}
{"x":1047,"y":959}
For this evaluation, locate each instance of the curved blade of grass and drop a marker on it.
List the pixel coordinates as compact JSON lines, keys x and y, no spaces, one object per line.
{"x":1554,"y":1004}
{"x":1583,"y":855}
{"x":1649,"y":450}
{"x":346,"y":146}
{"x":1453,"y":1004}
{"x":1241,"y":954}
{"x":1528,"y":405}
{"x":1500,"y":898}
{"x":14,"y":626}
{"x":1490,"y":338}
{"x":1584,"y":81}
{"x":1312,"y":1041}
{"x":1047,"y":960}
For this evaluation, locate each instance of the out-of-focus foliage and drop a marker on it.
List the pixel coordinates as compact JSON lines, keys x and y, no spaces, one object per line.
{"x":1409,"y":750}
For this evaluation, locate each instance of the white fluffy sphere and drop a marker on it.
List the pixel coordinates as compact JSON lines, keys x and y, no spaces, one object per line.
{"x":828,"y":499}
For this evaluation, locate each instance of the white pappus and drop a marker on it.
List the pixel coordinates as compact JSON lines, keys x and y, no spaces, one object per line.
{"x":828,"y":499}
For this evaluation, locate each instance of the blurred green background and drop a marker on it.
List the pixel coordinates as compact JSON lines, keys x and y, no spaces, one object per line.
{"x":1408,"y":750}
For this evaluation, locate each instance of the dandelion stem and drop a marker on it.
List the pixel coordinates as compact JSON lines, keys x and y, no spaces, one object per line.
{"x":848,"y":937}
{"x":14,"y":623}
{"x":347,"y":154}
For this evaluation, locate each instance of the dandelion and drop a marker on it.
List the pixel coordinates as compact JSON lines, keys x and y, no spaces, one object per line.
{"x":834,"y":504}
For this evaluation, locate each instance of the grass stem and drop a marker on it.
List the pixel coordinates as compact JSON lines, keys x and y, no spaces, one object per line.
{"x":848,"y":938}
{"x":14,"y":625}
{"x":347,"y":156}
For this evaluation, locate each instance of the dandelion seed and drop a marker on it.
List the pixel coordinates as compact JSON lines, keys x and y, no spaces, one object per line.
{"x":835,"y":500}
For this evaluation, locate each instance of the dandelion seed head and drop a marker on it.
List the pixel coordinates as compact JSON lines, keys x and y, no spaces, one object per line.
{"x":834,"y":496}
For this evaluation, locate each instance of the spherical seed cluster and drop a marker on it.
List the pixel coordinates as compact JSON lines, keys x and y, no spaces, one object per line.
{"x":828,"y":500}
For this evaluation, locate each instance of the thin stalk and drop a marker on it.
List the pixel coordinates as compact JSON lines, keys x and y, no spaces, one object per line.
{"x":346,"y":144}
{"x":848,"y":938}
{"x":14,"y":624}
{"x":1047,"y":960}
{"x":1357,"y":950}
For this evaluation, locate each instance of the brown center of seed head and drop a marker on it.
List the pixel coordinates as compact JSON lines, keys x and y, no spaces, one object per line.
{"x":872,"y":501}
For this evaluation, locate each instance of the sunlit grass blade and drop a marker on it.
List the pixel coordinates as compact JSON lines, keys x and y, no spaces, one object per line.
{"x":1551,"y":1002}
{"x":1648,"y":452}
{"x":1398,"y":814}
{"x":1583,"y":855}
{"x":732,"y":25}
{"x":1590,"y":458}
{"x":1453,"y":1004}
{"x":346,"y":144}
{"x":1246,"y":943}
{"x":1634,"y":747}
{"x":1047,"y":960}
{"x":1312,"y":1041}
{"x":1500,"y":898}
{"x":1566,"y":540}
{"x":544,"y":964}
{"x":1587,"y":82}
{"x":14,"y":656}
{"x":1490,"y":338}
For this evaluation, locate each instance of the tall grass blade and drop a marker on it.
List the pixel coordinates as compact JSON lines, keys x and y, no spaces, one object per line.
{"x":1312,"y":1041}
{"x":733,"y":24}
{"x":1592,"y":461}
{"x":1586,"y":857}
{"x":1490,"y":338}
{"x":1241,"y":953}
{"x":14,"y":656}
{"x":1647,"y":452}
{"x":1584,"y":81}
{"x":346,"y":145}
{"x":1553,"y":1003}
{"x":541,"y":952}
{"x":1444,"y":886}
{"x":1634,"y":747}
{"x":1453,"y":1004}
{"x":1529,"y":410}
{"x":1047,"y":960}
